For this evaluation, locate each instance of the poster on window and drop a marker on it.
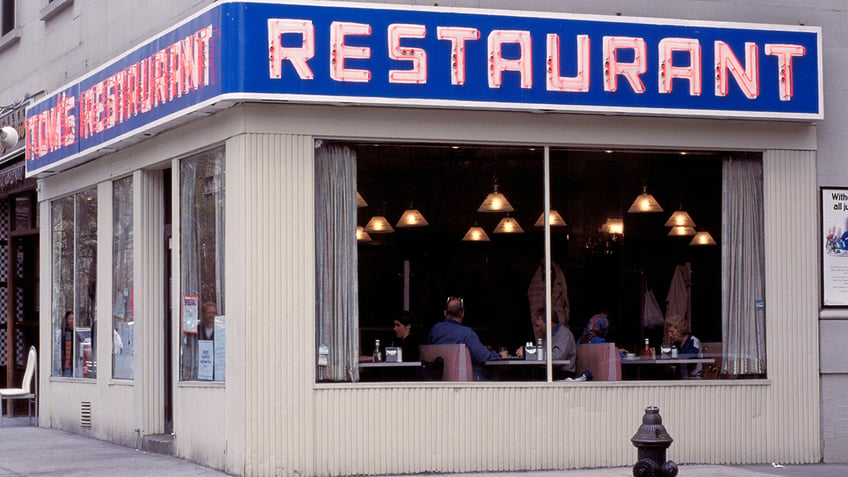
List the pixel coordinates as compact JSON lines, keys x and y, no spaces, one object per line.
{"x":834,"y":240}
{"x":190,"y":314}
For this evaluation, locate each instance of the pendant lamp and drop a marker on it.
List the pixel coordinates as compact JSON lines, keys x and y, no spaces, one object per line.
{"x":681,"y":231}
{"x":613,"y":226}
{"x":645,"y":202}
{"x":476,"y":234}
{"x":378,"y":225}
{"x":362,"y":235}
{"x":556,"y":220}
{"x":411,"y":218}
{"x":360,"y":202}
{"x":702,"y":238}
{"x":508,"y":225}
{"x":680,"y":218}
{"x":495,"y":202}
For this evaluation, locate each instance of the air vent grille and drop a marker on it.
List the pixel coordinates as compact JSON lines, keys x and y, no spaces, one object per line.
{"x":85,"y":414}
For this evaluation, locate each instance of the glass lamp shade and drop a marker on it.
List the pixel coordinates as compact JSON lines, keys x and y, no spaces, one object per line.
{"x":556,"y":220}
{"x":360,"y":202}
{"x":702,"y":238}
{"x":681,"y":231}
{"x":476,"y":234}
{"x":362,"y":235}
{"x":508,"y":225}
{"x":495,"y":202}
{"x":411,"y":218}
{"x":613,"y":226}
{"x":378,"y":225}
{"x":680,"y":218}
{"x":645,"y":202}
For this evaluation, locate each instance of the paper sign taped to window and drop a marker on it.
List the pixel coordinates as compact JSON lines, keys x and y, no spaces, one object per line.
{"x":205,"y":360}
{"x":190,"y":314}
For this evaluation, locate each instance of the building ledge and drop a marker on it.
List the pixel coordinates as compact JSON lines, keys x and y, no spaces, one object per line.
{"x":10,"y":38}
{"x":53,"y":8}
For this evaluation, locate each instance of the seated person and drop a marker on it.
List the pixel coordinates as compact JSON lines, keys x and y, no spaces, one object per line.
{"x":562,"y":342}
{"x":405,"y":337}
{"x":452,"y":331}
{"x":596,"y":330}
{"x":680,"y":335}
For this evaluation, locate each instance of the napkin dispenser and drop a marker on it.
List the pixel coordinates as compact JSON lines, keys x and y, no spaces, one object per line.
{"x":394,"y":354}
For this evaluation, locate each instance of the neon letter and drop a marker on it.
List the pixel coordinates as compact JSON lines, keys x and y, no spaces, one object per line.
{"x":579,"y":82}
{"x":784,"y":54}
{"x":748,"y":78}
{"x":498,"y":64}
{"x":418,"y":57}
{"x":277,"y":53}
{"x":340,"y":52}
{"x":457,"y":36}
{"x":668,"y":71}
{"x":631,"y":71}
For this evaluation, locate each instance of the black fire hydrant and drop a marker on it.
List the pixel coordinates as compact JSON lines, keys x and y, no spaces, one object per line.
{"x":652,"y":440}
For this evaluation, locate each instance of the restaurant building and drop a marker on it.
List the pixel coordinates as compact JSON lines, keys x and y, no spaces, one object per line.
{"x":215,"y":271}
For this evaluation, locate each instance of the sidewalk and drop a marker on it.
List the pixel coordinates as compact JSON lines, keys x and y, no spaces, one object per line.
{"x":32,"y":451}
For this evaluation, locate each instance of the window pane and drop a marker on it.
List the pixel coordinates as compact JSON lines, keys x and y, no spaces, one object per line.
{"x":74,"y":285}
{"x":122,"y":279}
{"x":203,"y":324}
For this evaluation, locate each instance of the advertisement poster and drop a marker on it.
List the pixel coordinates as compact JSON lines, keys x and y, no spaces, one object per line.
{"x":206,"y":360}
{"x":190,"y":308}
{"x":834,"y":240}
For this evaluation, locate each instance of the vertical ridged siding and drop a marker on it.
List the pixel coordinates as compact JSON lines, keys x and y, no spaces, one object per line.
{"x":293,"y":427}
{"x":149,"y":273}
{"x":270,"y":196}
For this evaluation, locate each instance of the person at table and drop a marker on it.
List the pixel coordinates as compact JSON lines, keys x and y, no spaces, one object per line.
{"x":405,"y":336}
{"x":452,"y":331}
{"x":680,"y":335}
{"x":562,"y":342}
{"x":595,"y":330}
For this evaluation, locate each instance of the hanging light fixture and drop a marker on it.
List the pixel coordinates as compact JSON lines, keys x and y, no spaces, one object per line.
{"x":379,"y":225}
{"x":556,"y":220}
{"x":360,"y":202}
{"x":680,"y":218}
{"x":645,"y":202}
{"x":411,"y":218}
{"x":613,"y":226}
{"x":702,"y":238}
{"x":508,"y":225}
{"x":362,"y":235}
{"x":681,"y":231}
{"x":476,"y":234}
{"x":495,"y":202}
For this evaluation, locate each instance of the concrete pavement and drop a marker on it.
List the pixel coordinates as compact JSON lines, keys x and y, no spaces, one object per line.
{"x":32,"y":451}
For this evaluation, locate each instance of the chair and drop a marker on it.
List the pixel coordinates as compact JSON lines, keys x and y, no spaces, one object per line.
{"x":457,"y":360}
{"x":602,"y":359}
{"x":25,"y":391}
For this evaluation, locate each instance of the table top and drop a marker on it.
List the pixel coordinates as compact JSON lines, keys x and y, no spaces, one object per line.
{"x":638,"y":360}
{"x":524,"y":362}
{"x":384,"y":364}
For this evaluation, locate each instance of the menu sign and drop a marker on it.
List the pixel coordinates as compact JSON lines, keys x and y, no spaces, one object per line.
{"x":834,"y":242}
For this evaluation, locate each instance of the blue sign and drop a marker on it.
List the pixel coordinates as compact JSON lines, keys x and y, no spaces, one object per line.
{"x":434,"y":57}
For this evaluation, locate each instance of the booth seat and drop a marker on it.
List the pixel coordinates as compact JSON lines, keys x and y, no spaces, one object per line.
{"x":602,"y":359}
{"x":456,"y":357}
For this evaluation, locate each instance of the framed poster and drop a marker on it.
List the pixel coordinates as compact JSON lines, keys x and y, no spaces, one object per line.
{"x":834,"y":243}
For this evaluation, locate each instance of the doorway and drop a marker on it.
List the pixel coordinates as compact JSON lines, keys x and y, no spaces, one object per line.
{"x":168,"y":388}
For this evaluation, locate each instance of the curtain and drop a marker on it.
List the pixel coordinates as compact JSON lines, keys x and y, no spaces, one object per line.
{"x":743,"y":267}
{"x":337,"y":306}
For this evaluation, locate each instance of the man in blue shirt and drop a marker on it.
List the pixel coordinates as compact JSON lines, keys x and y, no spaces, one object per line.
{"x":452,"y":331}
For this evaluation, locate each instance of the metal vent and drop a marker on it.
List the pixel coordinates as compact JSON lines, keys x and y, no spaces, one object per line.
{"x":85,"y":414}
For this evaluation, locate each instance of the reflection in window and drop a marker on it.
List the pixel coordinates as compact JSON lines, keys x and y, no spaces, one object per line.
{"x":616,"y":276}
{"x":123,"y":321}
{"x":74,"y":255}
{"x":203,"y":326}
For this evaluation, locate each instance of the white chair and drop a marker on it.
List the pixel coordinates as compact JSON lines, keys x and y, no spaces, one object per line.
{"x":25,"y":391}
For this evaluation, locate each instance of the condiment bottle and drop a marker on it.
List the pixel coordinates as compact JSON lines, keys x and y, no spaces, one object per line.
{"x":540,"y":350}
{"x":378,"y":356}
{"x":647,"y":352}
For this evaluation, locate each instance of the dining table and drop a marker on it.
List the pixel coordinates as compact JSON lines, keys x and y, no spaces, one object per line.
{"x":519,"y":369}
{"x":638,"y":363}
{"x":390,"y":370}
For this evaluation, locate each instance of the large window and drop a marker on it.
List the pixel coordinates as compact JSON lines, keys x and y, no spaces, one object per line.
{"x":74,"y":256}
{"x":203,"y":326}
{"x":123,"y":321}
{"x":611,"y":265}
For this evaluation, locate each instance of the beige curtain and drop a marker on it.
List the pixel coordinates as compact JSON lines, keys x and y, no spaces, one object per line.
{"x":336,"y":267}
{"x":743,"y":267}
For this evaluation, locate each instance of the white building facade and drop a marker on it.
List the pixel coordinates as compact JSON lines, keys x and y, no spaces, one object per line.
{"x":197,"y":164}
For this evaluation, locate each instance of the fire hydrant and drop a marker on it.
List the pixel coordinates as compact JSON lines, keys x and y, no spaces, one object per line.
{"x":652,"y":440}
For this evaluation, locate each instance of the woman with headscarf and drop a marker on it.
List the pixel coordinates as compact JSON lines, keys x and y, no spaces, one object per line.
{"x":596,"y":330}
